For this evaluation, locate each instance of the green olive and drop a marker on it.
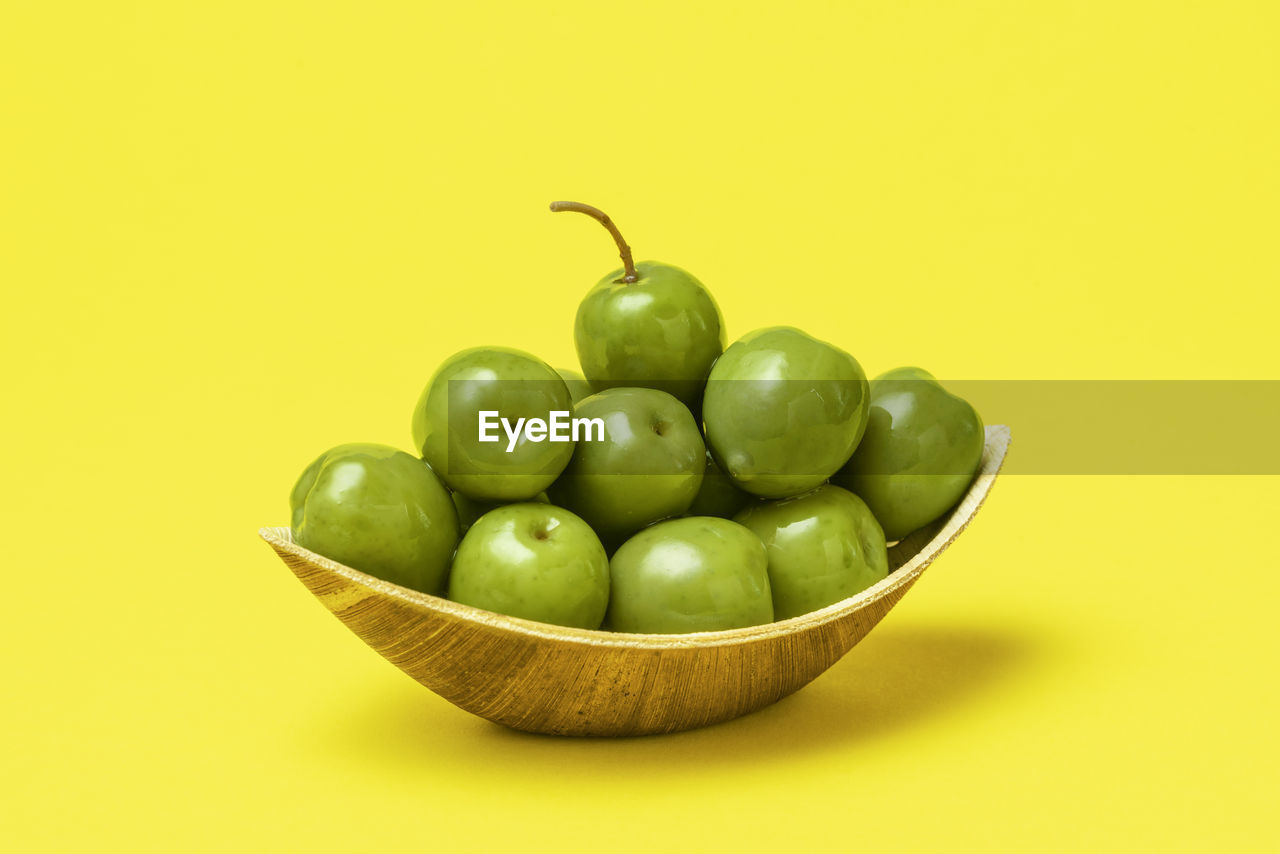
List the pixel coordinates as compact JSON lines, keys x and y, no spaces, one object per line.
{"x":662,"y":331}
{"x":784,"y":411}
{"x":646,"y":465}
{"x":696,"y":574}
{"x":533,"y":561}
{"x":921,"y":449}
{"x":513,"y":384}
{"x":377,"y":510}
{"x":823,"y":546}
{"x":649,"y":325}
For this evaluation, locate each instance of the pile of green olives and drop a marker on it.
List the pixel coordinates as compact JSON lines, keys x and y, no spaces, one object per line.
{"x":700,"y":487}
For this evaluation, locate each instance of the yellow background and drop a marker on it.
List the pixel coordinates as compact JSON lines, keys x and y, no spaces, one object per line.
{"x":235,"y":234}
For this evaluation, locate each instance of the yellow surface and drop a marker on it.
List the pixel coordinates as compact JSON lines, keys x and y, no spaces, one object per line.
{"x":236,"y":235}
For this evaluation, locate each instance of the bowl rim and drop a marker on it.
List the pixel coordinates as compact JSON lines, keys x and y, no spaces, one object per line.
{"x":996,"y":446}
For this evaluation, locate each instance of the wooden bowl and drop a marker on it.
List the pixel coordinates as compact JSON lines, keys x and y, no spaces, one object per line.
{"x":550,"y":679}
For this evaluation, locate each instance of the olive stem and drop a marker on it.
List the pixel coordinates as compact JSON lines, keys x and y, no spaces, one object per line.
{"x":629,"y":274}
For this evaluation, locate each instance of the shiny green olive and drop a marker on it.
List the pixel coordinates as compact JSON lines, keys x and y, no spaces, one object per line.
{"x":649,"y":325}
{"x":920,"y":452}
{"x":662,"y":331}
{"x":718,"y":496}
{"x":696,"y":574}
{"x":513,"y":384}
{"x":377,"y":510}
{"x":823,"y":546}
{"x":645,"y":464}
{"x":534,"y":561}
{"x":784,"y":411}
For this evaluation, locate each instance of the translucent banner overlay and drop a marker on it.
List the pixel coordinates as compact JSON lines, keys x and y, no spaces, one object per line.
{"x":1060,"y":427}
{"x":1133,"y":426}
